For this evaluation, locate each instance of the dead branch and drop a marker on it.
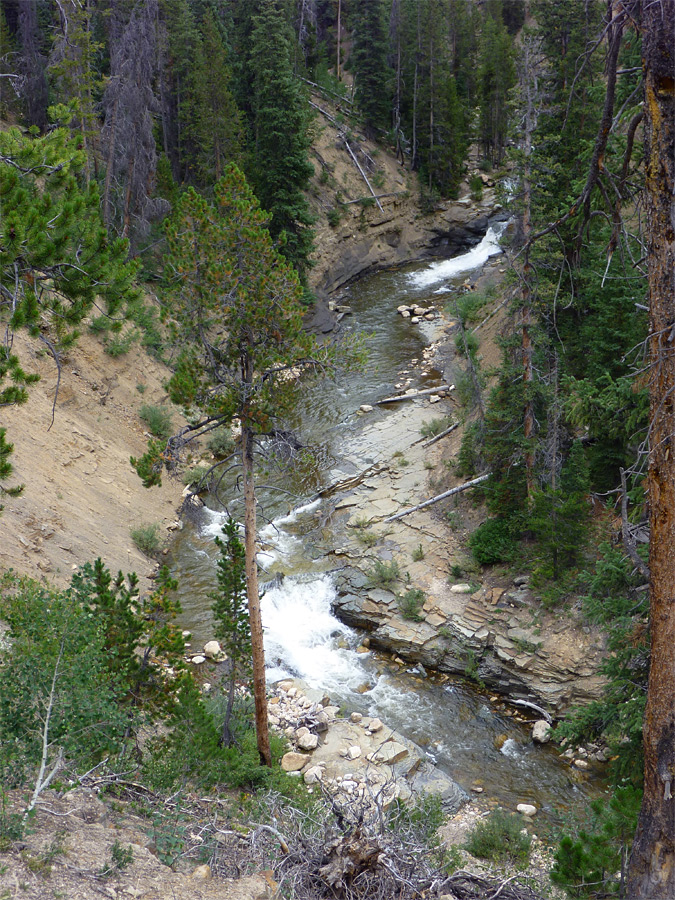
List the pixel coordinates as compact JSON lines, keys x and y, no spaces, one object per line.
{"x":438,"y":437}
{"x":443,"y":388}
{"x":627,"y":535}
{"x":455,"y":490}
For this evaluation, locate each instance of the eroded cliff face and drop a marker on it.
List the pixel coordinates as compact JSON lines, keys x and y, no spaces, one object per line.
{"x":357,"y":232}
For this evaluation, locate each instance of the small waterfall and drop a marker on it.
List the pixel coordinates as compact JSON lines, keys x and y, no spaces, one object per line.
{"x":473,"y":259}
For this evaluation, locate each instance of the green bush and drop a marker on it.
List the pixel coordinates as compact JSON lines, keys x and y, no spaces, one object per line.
{"x":384,"y":573}
{"x":334,"y":216}
{"x":435,"y":427}
{"x":494,"y":541}
{"x":55,"y":685}
{"x":499,"y":838}
{"x":476,"y":187}
{"x":146,"y":538}
{"x":120,"y":344}
{"x":197,"y":478}
{"x":467,"y":344}
{"x":410,"y":603}
{"x":221,"y":442}
{"x":158,"y":420}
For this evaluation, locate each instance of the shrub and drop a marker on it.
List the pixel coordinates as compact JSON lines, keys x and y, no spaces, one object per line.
{"x":334,"y":217}
{"x":476,"y":187}
{"x":384,"y":573}
{"x":411,"y":603}
{"x":158,"y":420}
{"x":436,"y":426}
{"x":197,"y":478}
{"x":494,"y":541}
{"x":418,"y":553}
{"x":499,"y":837}
{"x":221,"y":443}
{"x":146,"y":538}
{"x":120,"y":344}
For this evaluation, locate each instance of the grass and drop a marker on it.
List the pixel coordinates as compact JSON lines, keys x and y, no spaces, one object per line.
{"x":146,"y":538}
{"x":158,"y":420}
{"x":435,"y":426}
{"x":418,"y":553}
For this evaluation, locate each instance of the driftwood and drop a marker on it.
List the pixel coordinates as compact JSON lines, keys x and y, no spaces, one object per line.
{"x":542,"y":712}
{"x":400,"y":397}
{"x":455,"y":490}
{"x":437,"y":437}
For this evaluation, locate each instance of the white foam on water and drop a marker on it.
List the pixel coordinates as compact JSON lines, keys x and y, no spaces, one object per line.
{"x":510,"y":748}
{"x":447,"y":268}
{"x":304,"y":639}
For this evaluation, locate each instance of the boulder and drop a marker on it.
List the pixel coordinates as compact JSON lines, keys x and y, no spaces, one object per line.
{"x":354,"y":752}
{"x":541,"y":732}
{"x":375,"y":725}
{"x":308,"y":741}
{"x":212,"y":649}
{"x":460,"y":589}
{"x":526,"y":809}
{"x":293,"y":762}
{"x":313,"y":774}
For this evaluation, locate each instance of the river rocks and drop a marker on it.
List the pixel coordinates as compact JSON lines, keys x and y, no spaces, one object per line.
{"x":526,"y":809}
{"x":541,"y":732}
{"x":415,"y":313}
{"x":313,"y":774}
{"x":375,"y":725}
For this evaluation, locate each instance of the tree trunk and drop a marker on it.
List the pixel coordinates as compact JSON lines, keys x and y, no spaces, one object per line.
{"x":257,"y":651}
{"x":651,"y":871}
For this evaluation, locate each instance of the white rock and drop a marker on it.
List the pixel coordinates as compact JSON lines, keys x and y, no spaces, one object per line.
{"x":526,"y":809}
{"x":206,"y":687}
{"x":308,"y":741}
{"x":375,"y":725}
{"x":355,"y":717}
{"x":354,"y":752}
{"x":460,"y":589}
{"x":366,"y":408}
{"x":415,"y":320}
{"x":434,"y":398}
{"x":212,"y":649}
{"x":186,"y":635}
{"x":313,"y":774}
{"x":541,"y":732}
{"x":405,"y":314}
{"x":581,"y":763}
{"x":198,"y":660}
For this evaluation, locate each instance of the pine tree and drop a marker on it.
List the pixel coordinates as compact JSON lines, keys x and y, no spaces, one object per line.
{"x":230,"y":613}
{"x":495,"y":79}
{"x":238,"y":308}
{"x":281,"y":169}
{"x":371,"y":71}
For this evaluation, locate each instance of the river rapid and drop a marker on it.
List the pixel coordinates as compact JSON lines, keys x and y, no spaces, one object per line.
{"x":476,"y":741}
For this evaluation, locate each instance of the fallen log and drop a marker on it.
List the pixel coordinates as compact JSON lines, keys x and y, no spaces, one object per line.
{"x":455,"y":490}
{"x":542,"y":712}
{"x":442,"y":388}
{"x":437,"y":437}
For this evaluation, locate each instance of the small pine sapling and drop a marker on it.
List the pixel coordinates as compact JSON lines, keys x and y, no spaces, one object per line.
{"x":230,"y":610}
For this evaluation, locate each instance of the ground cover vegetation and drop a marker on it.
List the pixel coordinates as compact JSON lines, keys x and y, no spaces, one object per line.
{"x":169,"y":141}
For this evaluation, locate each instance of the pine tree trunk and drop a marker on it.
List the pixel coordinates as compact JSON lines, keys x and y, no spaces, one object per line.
{"x":257,"y":651}
{"x":651,"y":870}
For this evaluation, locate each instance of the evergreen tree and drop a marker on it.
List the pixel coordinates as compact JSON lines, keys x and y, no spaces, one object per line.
{"x":280,"y":170}
{"x":219,"y":128}
{"x":495,"y":79}
{"x":238,"y":306}
{"x":230,"y":613}
{"x":369,"y":59}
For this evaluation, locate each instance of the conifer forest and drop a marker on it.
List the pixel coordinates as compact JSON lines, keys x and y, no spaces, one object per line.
{"x":198,"y":197}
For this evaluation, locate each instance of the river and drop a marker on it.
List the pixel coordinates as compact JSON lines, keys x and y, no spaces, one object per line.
{"x":475,"y":741}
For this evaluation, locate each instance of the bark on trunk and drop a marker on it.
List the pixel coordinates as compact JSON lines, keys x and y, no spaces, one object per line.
{"x":651,"y":871}
{"x":253,"y":596}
